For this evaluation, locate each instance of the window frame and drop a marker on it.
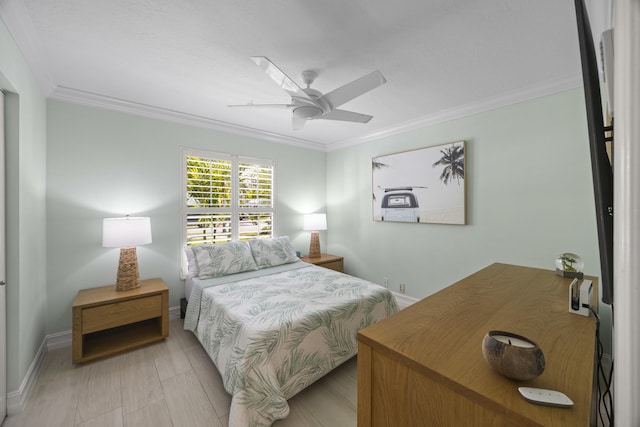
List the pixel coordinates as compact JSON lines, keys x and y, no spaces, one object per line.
{"x":235,"y":209}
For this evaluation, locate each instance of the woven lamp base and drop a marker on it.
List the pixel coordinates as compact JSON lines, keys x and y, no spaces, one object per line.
{"x":128,"y":276}
{"x":314,"y":245}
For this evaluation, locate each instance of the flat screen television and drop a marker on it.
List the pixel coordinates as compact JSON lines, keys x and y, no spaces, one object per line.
{"x":601,"y":168}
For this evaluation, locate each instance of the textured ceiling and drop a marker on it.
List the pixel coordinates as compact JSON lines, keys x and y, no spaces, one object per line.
{"x":188,"y":60}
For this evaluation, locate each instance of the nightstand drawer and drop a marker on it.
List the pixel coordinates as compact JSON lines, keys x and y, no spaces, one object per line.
{"x":334,"y":265}
{"x":121,"y":313}
{"x":331,"y":262}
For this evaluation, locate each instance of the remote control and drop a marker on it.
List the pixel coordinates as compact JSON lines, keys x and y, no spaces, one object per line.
{"x":541,"y":396}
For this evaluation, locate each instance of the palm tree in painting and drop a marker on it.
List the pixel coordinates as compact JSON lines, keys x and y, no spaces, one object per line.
{"x":452,"y":161}
{"x":377,"y":164}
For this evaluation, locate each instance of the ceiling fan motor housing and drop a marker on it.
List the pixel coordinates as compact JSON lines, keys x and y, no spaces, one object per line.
{"x":308,"y":76}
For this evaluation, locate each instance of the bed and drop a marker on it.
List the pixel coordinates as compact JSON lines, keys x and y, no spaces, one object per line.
{"x":275,"y":327}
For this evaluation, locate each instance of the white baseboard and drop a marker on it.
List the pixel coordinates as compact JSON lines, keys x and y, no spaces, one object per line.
{"x":404,"y":300}
{"x":58,"y":340}
{"x":17,"y":400}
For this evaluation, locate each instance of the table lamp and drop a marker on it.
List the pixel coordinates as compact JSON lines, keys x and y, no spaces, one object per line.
{"x":315,"y":223}
{"x":126,"y":233}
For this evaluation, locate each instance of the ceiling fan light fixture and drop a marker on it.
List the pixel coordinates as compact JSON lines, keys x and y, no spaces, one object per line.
{"x":307,"y":112}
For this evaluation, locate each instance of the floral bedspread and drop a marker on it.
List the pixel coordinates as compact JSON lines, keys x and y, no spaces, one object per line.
{"x":272,"y":336}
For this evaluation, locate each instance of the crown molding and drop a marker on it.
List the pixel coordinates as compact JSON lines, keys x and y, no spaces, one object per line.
{"x":499,"y":101}
{"x":75,"y":96}
{"x":488,"y":104}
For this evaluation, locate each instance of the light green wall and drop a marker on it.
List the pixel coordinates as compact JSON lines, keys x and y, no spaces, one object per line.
{"x":529,"y":198}
{"x":102,"y":163}
{"x":25,"y":122}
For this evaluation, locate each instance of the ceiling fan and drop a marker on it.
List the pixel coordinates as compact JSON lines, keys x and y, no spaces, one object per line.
{"x":310,"y":104}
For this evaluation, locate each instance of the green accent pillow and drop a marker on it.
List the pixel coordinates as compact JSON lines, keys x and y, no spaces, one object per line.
{"x":272,"y":252}
{"x":223,"y":258}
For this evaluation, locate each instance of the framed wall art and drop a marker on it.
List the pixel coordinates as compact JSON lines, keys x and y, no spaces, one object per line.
{"x":426,"y":185}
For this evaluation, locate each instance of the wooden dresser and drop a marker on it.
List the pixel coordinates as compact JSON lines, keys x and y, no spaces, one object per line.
{"x":424,"y":366}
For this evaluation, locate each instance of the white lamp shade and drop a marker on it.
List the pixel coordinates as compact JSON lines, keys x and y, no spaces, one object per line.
{"x":315,"y":222}
{"x":126,"y":232}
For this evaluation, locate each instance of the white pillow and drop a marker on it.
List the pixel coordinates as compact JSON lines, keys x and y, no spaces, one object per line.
{"x":192,"y":264}
{"x":272,"y":252}
{"x":223,"y":258}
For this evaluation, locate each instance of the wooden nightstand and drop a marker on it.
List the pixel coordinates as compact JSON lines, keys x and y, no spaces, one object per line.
{"x":106,"y":322}
{"x":327,"y":261}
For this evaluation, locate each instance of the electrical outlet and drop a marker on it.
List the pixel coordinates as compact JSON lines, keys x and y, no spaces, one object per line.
{"x":385,"y":282}
{"x":402,"y":288}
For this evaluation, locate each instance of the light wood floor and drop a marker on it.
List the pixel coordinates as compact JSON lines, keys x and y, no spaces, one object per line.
{"x":172,"y":383}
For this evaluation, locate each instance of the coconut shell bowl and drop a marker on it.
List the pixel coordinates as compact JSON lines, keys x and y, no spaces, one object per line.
{"x":512,"y":355}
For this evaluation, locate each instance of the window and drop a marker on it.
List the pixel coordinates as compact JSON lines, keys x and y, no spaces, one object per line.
{"x":226,"y":198}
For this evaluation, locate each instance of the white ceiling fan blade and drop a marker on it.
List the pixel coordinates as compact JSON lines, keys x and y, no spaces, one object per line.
{"x":297,"y":122}
{"x":278,"y":76}
{"x":354,"y":89}
{"x":262,"y":105}
{"x":347,"y":116}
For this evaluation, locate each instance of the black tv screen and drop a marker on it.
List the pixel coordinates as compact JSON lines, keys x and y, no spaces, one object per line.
{"x":601,"y":169}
